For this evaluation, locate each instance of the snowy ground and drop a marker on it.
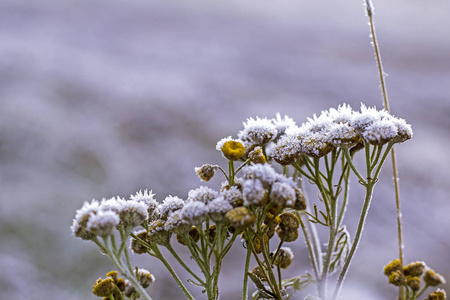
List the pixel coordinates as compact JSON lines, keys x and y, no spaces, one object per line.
{"x":102,"y":98}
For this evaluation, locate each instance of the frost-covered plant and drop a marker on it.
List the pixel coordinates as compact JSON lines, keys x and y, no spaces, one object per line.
{"x":261,"y":202}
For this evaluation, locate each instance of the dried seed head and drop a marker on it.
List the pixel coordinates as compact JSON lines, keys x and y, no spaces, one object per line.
{"x":206,"y":172}
{"x":129,"y":291}
{"x":439,"y":294}
{"x":397,"y":278}
{"x":432,"y":278}
{"x":240,"y":218}
{"x":258,"y":272}
{"x":284,"y":257}
{"x":145,"y":278}
{"x":254,"y":193}
{"x":413,"y":282}
{"x":414,"y":268}
{"x":157,"y":233}
{"x":210,"y":232}
{"x":289,"y":221}
{"x":393,"y":266}
{"x":170,"y":205}
{"x":114,"y":275}
{"x":135,"y":245}
{"x":287,"y":235}
{"x":104,"y":287}
{"x":133,"y":213}
{"x":257,"y":156}
{"x":283,"y":194}
{"x":194,"y":234}
{"x":258,"y":131}
{"x":300,"y":200}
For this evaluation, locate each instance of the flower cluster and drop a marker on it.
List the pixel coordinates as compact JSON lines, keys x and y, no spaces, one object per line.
{"x":340,"y":127}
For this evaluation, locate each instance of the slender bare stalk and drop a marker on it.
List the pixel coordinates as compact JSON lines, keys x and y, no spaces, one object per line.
{"x":369,"y":8}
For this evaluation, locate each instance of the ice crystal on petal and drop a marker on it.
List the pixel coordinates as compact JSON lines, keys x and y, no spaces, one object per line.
{"x":203,"y":194}
{"x":103,"y":223}
{"x":259,"y":131}
{"x":194,"y":212}
{"x":287,"y":150}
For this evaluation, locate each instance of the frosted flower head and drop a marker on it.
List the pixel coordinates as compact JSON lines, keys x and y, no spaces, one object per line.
{"x":404,"y":130}
{"x":368,"y":115}
{"x":194,"y":212}
{"x":146,"y":197}
{"x":288,"y":148}
{"x":203,"y":194}
{"x":256,"y":156}
{"x":218,"y":208}
{"x":259,"y":131}
{"x":103,"y":223}
{"x":343,"y":135}
{"x":232,"y":149}
{"x":254,"y":193}
{"x":169,"y":205}
{"x":284,"y":257}
{"x":135,"y":246}
{"x":158,"y":234}
{"x":240,"y":218}
{"x":233,"y":195}
{"x":145,"y":278}
{"x":281,"y":124}
{"x":380,"y":132}
{"x":83,"y":214}
{"x":176,"y":224}
{"x":133,"y":213}
{"x":283,"y":194}
{"x":80,"y":231}
{"x":206,"y":172}
{"x":263,"y":172}
{"x":316,"y":144}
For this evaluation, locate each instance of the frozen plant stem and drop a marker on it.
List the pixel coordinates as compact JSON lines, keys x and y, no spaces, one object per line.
{"x":369,"y":185}
{"x":369,"y":8}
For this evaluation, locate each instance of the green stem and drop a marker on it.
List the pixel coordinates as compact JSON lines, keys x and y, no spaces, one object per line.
{"x":350,"y":162}
{"x":181,"y":262}
{"x":247,"y":266}
{"x":172,"y":272}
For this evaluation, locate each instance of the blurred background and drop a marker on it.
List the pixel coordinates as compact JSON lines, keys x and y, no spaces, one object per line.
{"x":105,"y":97}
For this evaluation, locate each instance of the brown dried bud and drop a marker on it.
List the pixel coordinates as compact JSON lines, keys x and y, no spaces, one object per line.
{"x":257,"y":156}
{"x":206,"y":172}
{"x":432,"y":278}
{"x":393,"y":266}
{"x":240,"y":218}
{"x":414,"y":268}
{"x":413,"y":282}
{"x":397,"y":278}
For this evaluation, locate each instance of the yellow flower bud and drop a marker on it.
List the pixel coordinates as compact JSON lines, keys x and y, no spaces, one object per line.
{"x":233,"y":150}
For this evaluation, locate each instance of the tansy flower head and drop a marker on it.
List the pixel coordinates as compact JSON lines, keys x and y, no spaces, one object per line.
{"x":432,"y":278}
{"x":206,"y":172}
{"x":231,"y":149}
{"x":203,"y":194}
{"x":240,"y":218}
{"x":259,"y":131}
{"x":194,"y":212}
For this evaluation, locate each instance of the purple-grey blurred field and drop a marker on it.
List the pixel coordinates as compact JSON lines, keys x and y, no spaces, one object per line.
{"x":102,"y":98}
